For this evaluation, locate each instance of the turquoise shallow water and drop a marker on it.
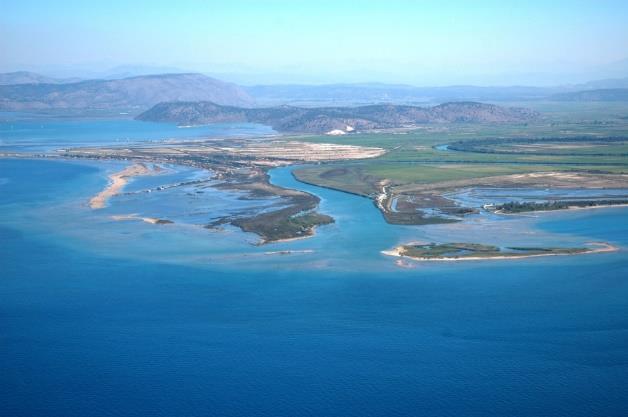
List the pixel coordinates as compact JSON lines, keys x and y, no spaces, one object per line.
{"x":100,"y":317}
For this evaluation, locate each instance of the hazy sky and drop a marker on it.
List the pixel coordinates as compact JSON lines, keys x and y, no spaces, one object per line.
{"x":418,"y":42}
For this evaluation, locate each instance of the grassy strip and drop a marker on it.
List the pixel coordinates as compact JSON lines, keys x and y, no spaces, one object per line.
{"x":522,"y":207}
{"x":476,"y":250}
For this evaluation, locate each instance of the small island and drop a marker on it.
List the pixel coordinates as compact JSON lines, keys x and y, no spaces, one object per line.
{"x":514,"y":207}
{"x":477,"y":251}
{"x":151,"y":220}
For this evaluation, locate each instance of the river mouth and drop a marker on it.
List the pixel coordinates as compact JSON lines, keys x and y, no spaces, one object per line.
{"x":355,"y":212}
{"x":354,"y":242}
{"x":126,"y":295}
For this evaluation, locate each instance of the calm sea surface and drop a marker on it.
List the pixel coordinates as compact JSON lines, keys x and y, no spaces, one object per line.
{"x":123,"y":318}
{"x":24,"y":132}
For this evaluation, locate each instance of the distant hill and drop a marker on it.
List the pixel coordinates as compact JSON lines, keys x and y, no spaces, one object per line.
{"x":371,"y":93}
{"x":136,"y":92}
{"x":336,"y":120}
{"x":26,"y":77}
{"x":392,"y":93}
{"x":607,"y":94}
{"x":605,"y":84}
{"x":127,"y":71}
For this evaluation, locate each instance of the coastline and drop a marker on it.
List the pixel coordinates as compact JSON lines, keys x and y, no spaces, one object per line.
{"x":603,"y":247}
{"x":150,"y":220}
{"x":118,"y":181}
{"x":570,"y":208}
{"x":311,"y":233}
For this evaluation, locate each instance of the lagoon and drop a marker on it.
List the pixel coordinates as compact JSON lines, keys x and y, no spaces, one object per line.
{"x":23,"y":132}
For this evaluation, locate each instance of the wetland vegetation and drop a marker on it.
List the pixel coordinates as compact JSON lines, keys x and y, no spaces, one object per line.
{"x":409,"y":173}
{"x":477,"y":251}
{"x":526,"y":206}
{"x":577,"y":145}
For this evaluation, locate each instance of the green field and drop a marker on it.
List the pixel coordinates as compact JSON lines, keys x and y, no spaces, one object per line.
{"x":413,"y":156}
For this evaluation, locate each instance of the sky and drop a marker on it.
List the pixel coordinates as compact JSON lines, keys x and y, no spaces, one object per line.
{"x":394,"y":41}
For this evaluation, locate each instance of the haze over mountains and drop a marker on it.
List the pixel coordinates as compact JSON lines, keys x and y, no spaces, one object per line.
{"x":128,"y":93}
{"x":27,"y":77}
{"x":401,"y":93}
{"x":394,"y":93}
{"x":605,"y":94}
{"x":31,"y":91}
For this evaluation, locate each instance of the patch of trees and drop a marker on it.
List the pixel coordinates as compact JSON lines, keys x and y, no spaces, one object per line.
{"x":520,"y":207}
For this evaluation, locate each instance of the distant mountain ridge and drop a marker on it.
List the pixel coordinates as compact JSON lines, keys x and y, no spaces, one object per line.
{"x":605,"y":84}
{"x":27,"y":77}
{"x":362,"y":93}
{"x":335,"y":119}
{"x":392,"y":93}
{"x":23,"y":90}
{"x":604,"y":94}
{"x":140,"y":92}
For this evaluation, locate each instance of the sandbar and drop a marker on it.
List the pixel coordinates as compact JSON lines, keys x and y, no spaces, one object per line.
{"x":118,"y":181}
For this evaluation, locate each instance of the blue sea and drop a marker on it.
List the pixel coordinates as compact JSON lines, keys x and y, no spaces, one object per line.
{"x":101,"y":317}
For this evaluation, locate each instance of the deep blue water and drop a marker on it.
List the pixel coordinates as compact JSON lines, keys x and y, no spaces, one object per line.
{"x":110,"y":318}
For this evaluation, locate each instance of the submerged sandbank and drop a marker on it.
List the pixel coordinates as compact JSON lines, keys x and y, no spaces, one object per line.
{"x":151,"y":220}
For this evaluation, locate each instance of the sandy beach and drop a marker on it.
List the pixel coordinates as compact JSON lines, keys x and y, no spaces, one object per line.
{"x":569,"y":208}
{"x":151,"y":220}
{"x":600,"y":247}
{"x":118,"y":181}
{"x":311,"y":233}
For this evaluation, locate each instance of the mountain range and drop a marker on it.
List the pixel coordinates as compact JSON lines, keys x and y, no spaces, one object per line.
{"x":27,"y":77}
{"x":139,"y":92}
{"x":351,"y":94}
{"x":335,"y":120}
{"x":24,"y":90}
{"x":604,"y":94}
{"x":391,"y":93}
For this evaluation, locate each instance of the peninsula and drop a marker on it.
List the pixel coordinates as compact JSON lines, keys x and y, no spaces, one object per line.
{"x":117,"y":182}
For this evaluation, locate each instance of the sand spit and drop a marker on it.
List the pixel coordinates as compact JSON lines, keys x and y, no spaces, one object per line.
{"x":118,"y":181}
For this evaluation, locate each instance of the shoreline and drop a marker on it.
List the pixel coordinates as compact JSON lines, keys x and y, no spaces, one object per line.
{"x":118,"y":180}
{"x":570,"y":208}
{"x":312,"y":233}
{"x":603,"y":247}
{"x":150,"y":220}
